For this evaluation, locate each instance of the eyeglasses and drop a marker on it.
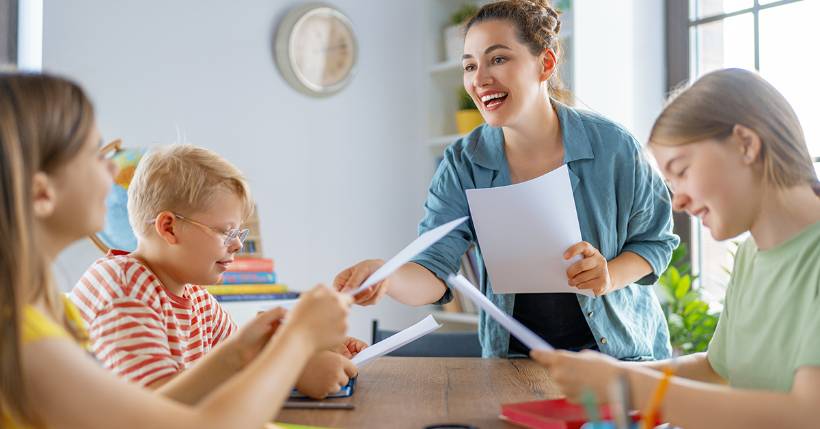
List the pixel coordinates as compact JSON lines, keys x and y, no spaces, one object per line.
{"x":111,"y":149}
{"x":230,"y":235}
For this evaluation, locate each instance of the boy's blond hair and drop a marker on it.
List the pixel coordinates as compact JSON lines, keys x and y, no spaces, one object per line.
{"x":181,"y":178}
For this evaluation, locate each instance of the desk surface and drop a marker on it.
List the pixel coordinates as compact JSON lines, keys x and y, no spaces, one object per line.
{"x":394,"y":392}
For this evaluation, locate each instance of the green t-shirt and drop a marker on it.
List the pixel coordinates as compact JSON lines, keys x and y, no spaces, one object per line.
{"x":770,"y":325}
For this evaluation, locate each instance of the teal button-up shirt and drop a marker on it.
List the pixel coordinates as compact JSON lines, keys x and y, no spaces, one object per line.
{"x":622,"y":205}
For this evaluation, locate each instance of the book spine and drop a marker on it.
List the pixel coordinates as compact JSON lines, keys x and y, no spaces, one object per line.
{"x":257,"y":297}
{"x":245,"y":289}
{"x":233,"y":278}
{"x":253,"y":265}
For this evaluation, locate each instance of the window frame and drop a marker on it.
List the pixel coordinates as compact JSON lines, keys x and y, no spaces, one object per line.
{"x":679,"y":25}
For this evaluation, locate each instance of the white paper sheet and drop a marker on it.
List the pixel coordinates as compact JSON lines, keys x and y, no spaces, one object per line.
{"x":417,"y":246}
{"x":524,"y":230}
{"x":524,"y":334}
{"x":387,"y":345}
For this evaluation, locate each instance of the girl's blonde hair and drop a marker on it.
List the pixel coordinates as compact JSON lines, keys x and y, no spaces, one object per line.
{"x":715,"y":103}
{"x":44,"y":123}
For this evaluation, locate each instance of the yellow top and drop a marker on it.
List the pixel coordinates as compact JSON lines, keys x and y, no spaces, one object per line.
{"x":36,"y":326}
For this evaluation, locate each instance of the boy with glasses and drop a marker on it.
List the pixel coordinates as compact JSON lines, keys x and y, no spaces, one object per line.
{"x":148,"y":320}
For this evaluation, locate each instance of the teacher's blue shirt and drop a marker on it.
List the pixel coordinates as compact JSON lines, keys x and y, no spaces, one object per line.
{"x":622,"y":205}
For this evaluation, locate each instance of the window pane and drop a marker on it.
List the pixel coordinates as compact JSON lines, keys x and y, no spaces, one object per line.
{"x":791,"y":70}
{"x":705,"y":8}
{"x":725,"y":43}
{"x":715,"y":260}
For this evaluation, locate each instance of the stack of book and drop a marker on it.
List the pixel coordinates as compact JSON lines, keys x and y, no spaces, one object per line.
{"x":250,"y":279}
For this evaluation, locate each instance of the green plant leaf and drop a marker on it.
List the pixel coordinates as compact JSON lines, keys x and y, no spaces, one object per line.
{"x":682,"y":286}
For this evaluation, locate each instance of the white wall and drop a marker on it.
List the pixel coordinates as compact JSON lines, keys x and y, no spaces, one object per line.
{"x":336,"y":180}
{"x":620,"y":64}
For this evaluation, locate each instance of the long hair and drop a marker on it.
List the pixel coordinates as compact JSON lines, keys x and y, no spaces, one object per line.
{"x":715,"y":103}
{"x":44,"y":122}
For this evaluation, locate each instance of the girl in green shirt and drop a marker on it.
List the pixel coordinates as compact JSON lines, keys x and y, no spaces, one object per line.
{"x":734,"y":155}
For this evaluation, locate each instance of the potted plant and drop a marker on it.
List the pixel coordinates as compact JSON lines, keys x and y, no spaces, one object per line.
{"x":467,"y":116}
{"x":454,"y":32}
{"x":691,"y":322}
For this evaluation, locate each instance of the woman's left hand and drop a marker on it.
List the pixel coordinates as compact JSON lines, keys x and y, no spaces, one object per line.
{"x":591,"y":272}
{"x":576,"y":372}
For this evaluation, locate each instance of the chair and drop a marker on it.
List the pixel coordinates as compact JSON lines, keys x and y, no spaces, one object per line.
{"x":444,"y":344}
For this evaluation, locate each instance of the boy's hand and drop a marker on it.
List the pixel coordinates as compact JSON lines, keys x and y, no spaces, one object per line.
{"x":351,"y":347}
{"x":352,"y":277}
{"x":252,"y":337}
{"x":325,"y":373}
{"x":320,"y":317}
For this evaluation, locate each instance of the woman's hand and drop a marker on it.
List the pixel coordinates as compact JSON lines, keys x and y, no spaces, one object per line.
{"x":354,"y":276}
{"x":351,"y":347}
{"x":320,"y":316}
{"x":576,"y":372}
{"x":591,"y":272}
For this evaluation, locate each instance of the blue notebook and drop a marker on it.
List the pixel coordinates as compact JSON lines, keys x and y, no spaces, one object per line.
{"x":345,"y":392}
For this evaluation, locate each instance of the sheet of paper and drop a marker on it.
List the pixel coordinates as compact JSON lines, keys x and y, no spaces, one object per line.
{"x":524,"y":334}
{"x":524,"y":230}
{"x":387,"y":345}
{"x":417,"y":246}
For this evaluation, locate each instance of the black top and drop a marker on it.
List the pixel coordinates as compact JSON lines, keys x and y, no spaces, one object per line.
{"x":555,"y":317}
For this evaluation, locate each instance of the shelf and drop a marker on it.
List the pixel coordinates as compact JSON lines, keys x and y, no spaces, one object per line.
{"x":441,"y":141}
{"x":450,"y":316}
{"x":449,"y":66}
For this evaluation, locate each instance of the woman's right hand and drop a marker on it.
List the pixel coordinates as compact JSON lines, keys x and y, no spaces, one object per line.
{"x":352,"y":277}
{"x":321,"y":316}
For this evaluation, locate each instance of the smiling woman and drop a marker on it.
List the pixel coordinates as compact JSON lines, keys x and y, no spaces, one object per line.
{"x":510,"y":71}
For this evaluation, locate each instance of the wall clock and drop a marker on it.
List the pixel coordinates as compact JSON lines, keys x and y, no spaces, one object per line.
{"x":316,"y":50}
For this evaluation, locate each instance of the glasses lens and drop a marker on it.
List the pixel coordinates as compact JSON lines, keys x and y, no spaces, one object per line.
{"x":241,"y":234}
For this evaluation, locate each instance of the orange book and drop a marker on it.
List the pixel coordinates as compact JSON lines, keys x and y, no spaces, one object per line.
{"x":252,"y":265}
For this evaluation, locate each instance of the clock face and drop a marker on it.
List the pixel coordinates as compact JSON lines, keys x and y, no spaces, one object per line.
{"x":321,"y":50}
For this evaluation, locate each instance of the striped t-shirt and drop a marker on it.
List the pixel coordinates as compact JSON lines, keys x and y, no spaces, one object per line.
{"x":138,"y":328}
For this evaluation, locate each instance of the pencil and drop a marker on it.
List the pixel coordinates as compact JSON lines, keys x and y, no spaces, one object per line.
{"x":650,"y":415}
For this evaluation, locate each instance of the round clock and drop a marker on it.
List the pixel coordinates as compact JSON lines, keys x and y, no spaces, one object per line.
{"x":316,"y":49}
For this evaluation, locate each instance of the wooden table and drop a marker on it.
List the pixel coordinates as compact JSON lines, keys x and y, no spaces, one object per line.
{"x":395,"y":392}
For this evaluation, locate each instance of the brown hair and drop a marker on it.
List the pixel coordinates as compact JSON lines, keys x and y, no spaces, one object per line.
{"x":715,"y":103}
{"x":181,"y":178}
{"x":44,"y":122}
{"x":537,"y":25}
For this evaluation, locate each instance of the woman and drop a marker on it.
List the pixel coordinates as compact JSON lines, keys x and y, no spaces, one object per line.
{"x":510,"y":66}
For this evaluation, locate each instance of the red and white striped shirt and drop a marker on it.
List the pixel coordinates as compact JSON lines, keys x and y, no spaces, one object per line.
{"x":138,"y":328}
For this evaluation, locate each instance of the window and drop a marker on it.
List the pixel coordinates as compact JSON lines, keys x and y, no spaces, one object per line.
{"x":773,"y":37}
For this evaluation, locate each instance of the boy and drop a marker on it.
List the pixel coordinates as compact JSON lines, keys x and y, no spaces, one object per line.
{"x":148,"y":320}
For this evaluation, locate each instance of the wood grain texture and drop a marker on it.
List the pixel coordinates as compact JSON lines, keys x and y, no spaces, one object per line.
{"x":395,"y":392}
